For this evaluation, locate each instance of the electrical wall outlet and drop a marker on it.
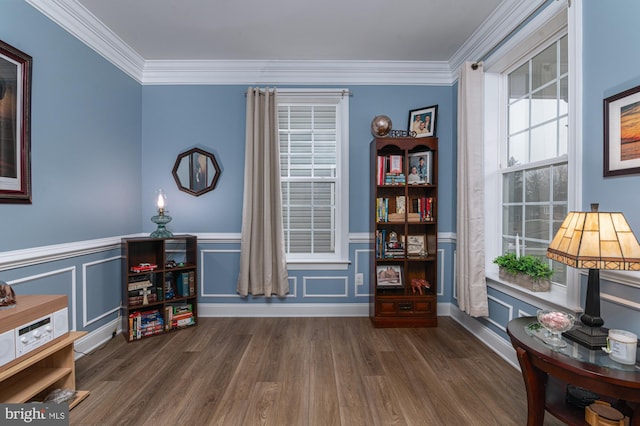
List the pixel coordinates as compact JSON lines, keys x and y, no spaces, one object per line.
{"x":359,"y":278}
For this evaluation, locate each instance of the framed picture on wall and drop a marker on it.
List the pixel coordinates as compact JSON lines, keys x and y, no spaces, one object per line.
{"x":622,"y":133}
{"x":422,"y":121}
{"x":15,"y":125}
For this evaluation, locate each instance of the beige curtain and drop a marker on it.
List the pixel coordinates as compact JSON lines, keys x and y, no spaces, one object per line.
{"x":263,"y":266}
{"x":472,"y":285}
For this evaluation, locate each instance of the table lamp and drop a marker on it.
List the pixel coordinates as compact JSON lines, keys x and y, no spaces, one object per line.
{"x":594,"y":240}
{"x":161,"y":219}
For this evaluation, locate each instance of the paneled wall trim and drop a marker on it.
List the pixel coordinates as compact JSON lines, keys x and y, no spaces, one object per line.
{"x":36,"y":255}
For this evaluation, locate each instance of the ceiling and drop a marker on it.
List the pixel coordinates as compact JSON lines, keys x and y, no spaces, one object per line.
{"x":215,"y":39}
{"x":401,"y":30}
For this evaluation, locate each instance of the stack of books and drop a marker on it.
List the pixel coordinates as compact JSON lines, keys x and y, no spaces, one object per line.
{"x":145,"y":323}
{"x":140,"y":292}
{"x":390,"y":170}
{"x":179,"y":315}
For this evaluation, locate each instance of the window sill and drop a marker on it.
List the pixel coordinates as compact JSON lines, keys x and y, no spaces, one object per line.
{"x":556,"y":298}
{"x":318,"y":265}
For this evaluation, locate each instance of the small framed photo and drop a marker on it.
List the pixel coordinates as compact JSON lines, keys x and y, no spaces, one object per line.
{"x":420,"y":164}
{"x":416,"y":245}
{"x":423,"y":121}
{"x":622,"y":133}
{"x":389,"y":276}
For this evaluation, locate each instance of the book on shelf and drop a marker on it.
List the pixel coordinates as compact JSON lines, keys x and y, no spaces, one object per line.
{"x":192,"y":283}
{"x":422,"y":209}
{"x":381,"y":169}
{"x":183,"y":322}
{"x":382,"y":209}
{"x":183,"y":284}
{"x":400,"y":204}
{"x":380,"y":243}
{"x":180,"y":308}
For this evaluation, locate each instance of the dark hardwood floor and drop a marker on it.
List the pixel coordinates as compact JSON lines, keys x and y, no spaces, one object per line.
{"x":298,"y":372}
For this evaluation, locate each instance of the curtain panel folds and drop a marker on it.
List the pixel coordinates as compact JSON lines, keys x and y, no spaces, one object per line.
{"x":263,"y":266}
{"x":470,"y":258}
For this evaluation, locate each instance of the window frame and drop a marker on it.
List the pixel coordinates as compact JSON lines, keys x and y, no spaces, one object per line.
{"x":339,"y":98}
{"x":548,"y":26}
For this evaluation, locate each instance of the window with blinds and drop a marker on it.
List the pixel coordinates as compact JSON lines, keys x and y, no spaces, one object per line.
{"x":312,"y":143}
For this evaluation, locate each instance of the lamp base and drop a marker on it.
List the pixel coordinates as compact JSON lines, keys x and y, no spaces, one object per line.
{"x":590,"y":337}
{"x":161,"y":232}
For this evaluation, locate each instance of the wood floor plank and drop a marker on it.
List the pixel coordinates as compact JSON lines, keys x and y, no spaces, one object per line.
{"x":350,"y":369}
{"x":323,"y":402}
{"x":300,"y":372}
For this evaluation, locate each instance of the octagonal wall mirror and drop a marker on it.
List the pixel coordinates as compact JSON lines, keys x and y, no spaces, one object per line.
{"x":196,"y":171}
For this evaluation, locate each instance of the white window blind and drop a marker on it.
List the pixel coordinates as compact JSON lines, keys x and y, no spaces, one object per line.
{"x":313,"y":155}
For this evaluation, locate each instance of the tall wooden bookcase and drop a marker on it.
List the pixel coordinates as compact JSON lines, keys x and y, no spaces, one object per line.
{"x":159,"y":291}
{"x":404,"y":224}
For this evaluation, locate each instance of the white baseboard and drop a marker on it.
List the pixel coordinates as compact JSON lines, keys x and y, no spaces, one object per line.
{"x":97,"y":338}
{"x":283,"y":310}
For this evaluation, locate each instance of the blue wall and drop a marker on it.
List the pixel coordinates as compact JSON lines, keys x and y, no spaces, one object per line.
{"x":85,"y":139}
{"x":176,"y":118}
{"x":611,"y":65}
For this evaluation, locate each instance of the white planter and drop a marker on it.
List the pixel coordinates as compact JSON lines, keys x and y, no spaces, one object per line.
{"x":525,"y":281}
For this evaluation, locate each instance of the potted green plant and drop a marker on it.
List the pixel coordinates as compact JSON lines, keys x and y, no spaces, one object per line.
{"x":526,"y":271}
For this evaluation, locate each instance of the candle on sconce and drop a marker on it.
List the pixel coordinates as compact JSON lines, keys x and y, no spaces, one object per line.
{"x":517,"y":245}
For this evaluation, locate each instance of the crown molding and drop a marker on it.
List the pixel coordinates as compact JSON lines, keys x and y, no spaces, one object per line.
{"x":297,"y":72}
{"x":83,"y":25}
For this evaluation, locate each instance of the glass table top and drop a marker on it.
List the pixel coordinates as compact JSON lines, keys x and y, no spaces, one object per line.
{"x":576,"y":351}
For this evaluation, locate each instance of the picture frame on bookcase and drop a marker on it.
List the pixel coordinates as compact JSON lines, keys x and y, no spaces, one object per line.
{"x":416,"y":245}
{"x":423,"y":121}
{"x":389,"y":276}
{"x":423,"y":163}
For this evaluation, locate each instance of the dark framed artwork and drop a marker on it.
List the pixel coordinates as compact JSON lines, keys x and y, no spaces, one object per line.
{"x":622,"y":133}
{"x":196,"y":171}
{"x":423,"y":121}
{"x":15,"y":125}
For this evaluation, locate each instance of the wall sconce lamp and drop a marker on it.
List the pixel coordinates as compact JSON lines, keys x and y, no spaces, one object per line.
{"x":594,"y":241}
{"x":161,"y":219}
